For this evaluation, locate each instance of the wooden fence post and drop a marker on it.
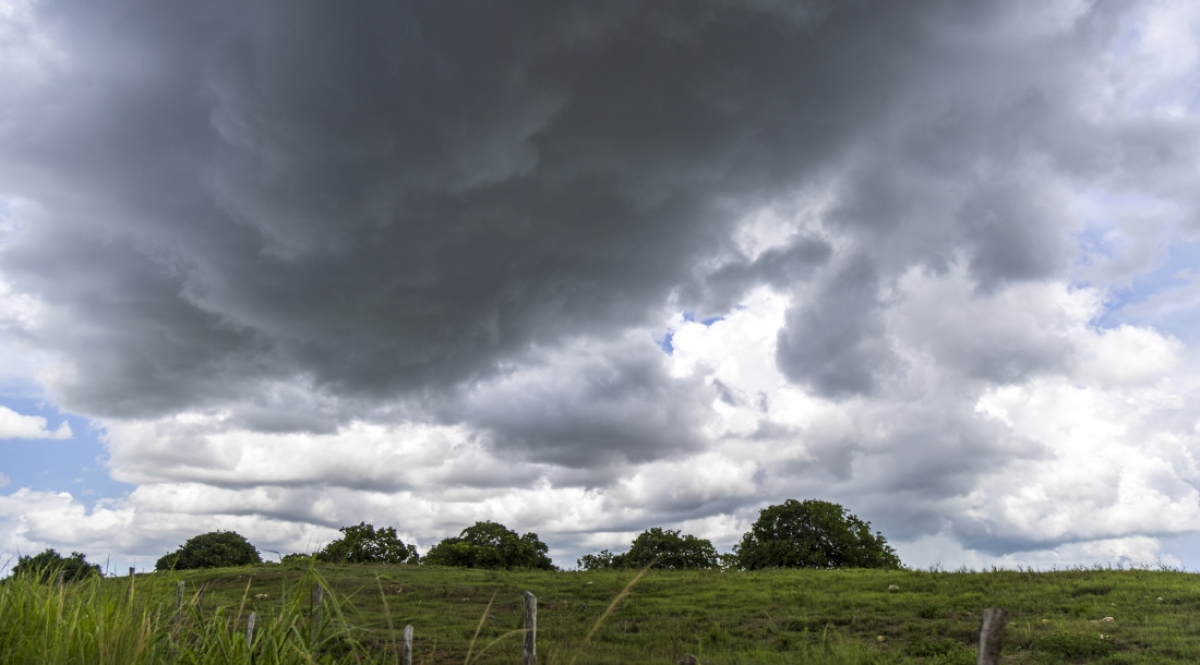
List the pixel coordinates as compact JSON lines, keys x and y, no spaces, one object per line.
{"x":991,"y":634}
{"x":318,"y":595}
{"x":530,"y":628}
{"x":250,"y":629}
{"x":406,"y":655}
{"x":62,"y":576}
{"x":178,"y":616}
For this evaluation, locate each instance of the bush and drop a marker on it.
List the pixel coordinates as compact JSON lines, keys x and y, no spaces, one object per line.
{"x":491,"y":545}
{"x":47,"y":565}
{"x":363,"y":544}
{"x":654,"y":547}
{"x":813,"y":534}
{"x":296,"y":560}
{"x":601,"y":561}
{"x":217,"y":549}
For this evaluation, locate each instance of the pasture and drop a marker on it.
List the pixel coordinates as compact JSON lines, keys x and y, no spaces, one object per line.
{"x":798,"y":616}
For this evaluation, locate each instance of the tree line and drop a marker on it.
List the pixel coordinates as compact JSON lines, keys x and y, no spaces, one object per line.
{"x":794,"y":534}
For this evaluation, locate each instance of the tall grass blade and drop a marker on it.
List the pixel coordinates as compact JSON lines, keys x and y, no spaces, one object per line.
{"x":609,"y":610}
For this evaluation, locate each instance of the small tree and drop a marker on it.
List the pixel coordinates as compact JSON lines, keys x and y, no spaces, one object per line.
{"x":217,"y":549}
{"x":813,"y":534}
{"x":47,"y":565}
{"x":602,"y":561}
{"x":491,"y":545}
{"x":363,"y":544}
{"x":669,"y":550}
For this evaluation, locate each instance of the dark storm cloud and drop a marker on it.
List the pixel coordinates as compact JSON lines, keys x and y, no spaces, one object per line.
{"x":385,"y":197}
{"x":721,"y":290}
{"x":306,"y":213}
{"x":835,"y":342}
{"x":612,"y":407}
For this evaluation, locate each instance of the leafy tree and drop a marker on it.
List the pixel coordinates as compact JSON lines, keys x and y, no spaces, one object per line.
{"x":601,"y":561}
{"x":48,"y":564}
{"x":363,"y":544}
{"x":217,"y":549}
{"x":654,"y":547}
{"x":813,"y":534}
{"x":670,"y":550}
{"x":491,"y":545}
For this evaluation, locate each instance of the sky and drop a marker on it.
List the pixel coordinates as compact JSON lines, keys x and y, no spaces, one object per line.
{"x":588,"y":268}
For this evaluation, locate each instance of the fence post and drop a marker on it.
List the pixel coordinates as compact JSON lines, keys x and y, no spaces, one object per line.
{"x":178,"y":616}
{"x":250,"y":629}
{"x":991,"y":634}
{"x":406,"y":656}
{"x":62,"y":576}
{"x":530,"y":628}
{"x":318,"y":595}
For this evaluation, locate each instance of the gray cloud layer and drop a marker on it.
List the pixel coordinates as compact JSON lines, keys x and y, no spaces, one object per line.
{"x":304,"y":214}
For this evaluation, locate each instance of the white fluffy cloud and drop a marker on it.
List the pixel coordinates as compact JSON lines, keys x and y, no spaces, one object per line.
{"x":14,"y":425}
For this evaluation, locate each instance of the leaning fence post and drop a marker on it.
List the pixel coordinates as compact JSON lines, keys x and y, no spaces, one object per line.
{"x":62,"y":576}
{"x":318,"y":595}
{"x":250,"y":628}
{"x":991,"y":634}
{"x":406,"y":656}
{"x":530,"y":628}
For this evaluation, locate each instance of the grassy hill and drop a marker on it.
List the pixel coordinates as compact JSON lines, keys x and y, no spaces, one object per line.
{"x":852,"y":616}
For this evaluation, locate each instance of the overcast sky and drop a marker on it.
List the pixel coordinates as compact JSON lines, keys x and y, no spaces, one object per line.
{"x":586,"y":268}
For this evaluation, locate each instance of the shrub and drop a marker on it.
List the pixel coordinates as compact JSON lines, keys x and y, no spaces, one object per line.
{"x":217,"y":549}
{"x":813,"y":534}
{"x":657,"y":548}
{"x":47,"y":565}
{"x":296,"y":559}
{"x":363,"y":544}
{"x":491,"y":545}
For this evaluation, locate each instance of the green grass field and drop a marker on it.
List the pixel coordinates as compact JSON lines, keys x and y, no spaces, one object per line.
{"x":808,"y":616}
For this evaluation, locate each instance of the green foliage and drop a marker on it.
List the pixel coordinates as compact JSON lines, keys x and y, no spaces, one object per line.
{"x":217,"y":549}
{"x":605,"y":560}
{"x":668,"y":550}
{"x":297,"y":559}
{"x":813,"y":534}
{"x":363,"y":544}
{"x":47,"y":565}
{"x":491,"y":545}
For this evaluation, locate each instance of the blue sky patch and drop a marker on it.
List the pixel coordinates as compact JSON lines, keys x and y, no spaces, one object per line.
{"x":75,"y":465}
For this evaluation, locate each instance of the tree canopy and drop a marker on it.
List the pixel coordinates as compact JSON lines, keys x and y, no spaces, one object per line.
{"x":813,"y":534}
{"x":216,"y":549}
{"x":657,"y":548}
{"x":47,"y":565}
{"x":364,"y":544}
{"x":491,"y":545}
